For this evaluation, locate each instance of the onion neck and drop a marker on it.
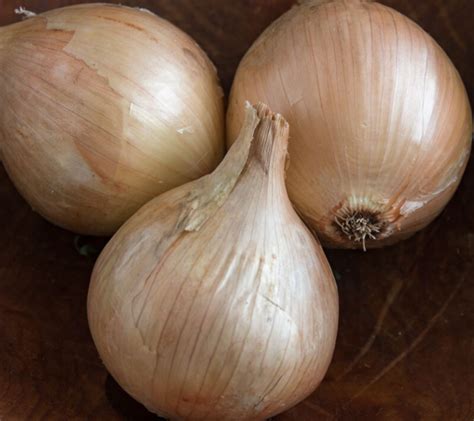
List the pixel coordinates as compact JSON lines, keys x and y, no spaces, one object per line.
{"x":270,"y":142}
{"x":263,"y":141}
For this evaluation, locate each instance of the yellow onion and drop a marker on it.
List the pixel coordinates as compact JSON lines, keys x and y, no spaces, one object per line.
{"x":214,"y":301}
{"x":102,"y":108}
{"x":380,"y":120}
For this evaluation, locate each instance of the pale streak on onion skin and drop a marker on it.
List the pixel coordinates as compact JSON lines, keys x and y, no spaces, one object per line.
{"x":214,"y":301}
{"x":380,"y":120}
{"x":94,"y":99}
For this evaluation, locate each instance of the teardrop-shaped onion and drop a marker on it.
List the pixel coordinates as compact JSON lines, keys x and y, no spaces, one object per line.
{"x":102,"y":108}
{"x":380,"y":120}
{"x":214,"y":301}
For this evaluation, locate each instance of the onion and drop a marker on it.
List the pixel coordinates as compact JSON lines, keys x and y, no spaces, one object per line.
{"x":214,"y":301}
{"x":381,"y":123}
{"x":103,"y":108}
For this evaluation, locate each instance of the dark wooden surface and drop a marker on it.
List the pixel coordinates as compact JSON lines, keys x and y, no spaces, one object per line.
{"x":405,"y":344}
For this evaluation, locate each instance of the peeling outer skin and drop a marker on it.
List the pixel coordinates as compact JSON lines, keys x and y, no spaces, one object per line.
{"x":100,"y":132}
{"x":410,"y":206}
{"x":214,"y":301}
{"x":141,"y":9}
{"x":397,"y":215}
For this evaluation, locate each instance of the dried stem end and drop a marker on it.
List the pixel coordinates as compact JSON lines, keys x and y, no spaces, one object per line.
{"x":359,"y":225}
{"x":270,"y":143}
{"x":26,"y":14}
{"x":264,"y":137}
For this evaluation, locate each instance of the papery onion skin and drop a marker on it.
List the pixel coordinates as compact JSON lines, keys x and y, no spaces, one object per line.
{"x":214,"y":301}
{"x":103,"y":108}
{"x":380,"y":120}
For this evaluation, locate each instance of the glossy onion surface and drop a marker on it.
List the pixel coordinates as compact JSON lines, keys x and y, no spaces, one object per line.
{"x":380,"y":120}
{"x":214,"y":301}
{"x":103,"y":108}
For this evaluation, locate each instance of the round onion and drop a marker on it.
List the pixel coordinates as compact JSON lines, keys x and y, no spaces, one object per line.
{"x":214,"y":301}
{"x":380,"y":120}
{"x":103,"y":108}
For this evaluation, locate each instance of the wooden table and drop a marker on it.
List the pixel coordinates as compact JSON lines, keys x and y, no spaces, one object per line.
{"x":405,"y":346}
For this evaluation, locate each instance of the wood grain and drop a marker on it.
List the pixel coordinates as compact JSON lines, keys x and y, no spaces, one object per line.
{"x":405,"y":339}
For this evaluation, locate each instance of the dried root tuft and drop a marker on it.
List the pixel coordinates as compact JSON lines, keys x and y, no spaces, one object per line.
{"x":359,"y":225}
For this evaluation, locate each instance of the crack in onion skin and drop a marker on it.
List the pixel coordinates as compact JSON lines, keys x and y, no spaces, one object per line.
{"x":214,"y":301}
{"x":103,"y":108}
{"x":380,"y":119}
